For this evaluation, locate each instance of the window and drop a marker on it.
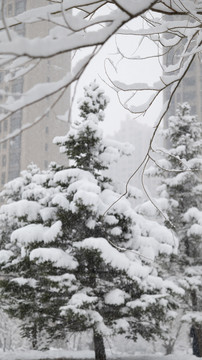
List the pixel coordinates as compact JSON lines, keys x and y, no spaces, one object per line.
{"x":3,"y":160}
{"x":189,"y":81}
{"x":178,"y":98}
{"x":5,"y":125}
{"x":193,"y":109}
{"x":1,"y":76}
{"x":4,"y":144}
{"x":189,"y":96}
{"x":20,"y":29}
{"x":17,"y":85}
{"x":10,"y":9}
{"x":47,"y":130}
{"x":3,"y":178}
{"x":15,"y":120}
{"x":45,"y":164}
{"x":14,"y":157}
{"x":15,"y":143}
{"x":20,"y":6}
{"x":46,"y":147}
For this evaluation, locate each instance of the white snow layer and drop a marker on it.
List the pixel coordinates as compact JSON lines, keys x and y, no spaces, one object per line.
{"x":65,"y":176}
{"x":116,"y":297}
{"x":85,"y":354}
{"x":113,"y":257}
{"x":5,"y":256}
{"x":58,"y":257}
{"x":36,"y":233}
{"x":22,"y":208}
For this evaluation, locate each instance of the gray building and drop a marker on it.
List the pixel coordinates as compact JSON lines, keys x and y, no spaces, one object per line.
{"x":35,"y":143}
{"x":190,"y":88}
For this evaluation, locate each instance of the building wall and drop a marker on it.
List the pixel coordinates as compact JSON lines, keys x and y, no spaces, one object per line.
{"x":190,"y":88}
{"x":35,"y":144}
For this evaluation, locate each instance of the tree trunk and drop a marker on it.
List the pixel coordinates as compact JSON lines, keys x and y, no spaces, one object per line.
{"x":34,"y":337}
{"x":99,"y":346}
{"x":169,"y":347}
{"x":198,"y":330}
{"x":194,"y":300}
{"x":196,"y":334}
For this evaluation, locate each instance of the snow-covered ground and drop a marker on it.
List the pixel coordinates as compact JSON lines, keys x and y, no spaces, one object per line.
{"x":86,"y":354}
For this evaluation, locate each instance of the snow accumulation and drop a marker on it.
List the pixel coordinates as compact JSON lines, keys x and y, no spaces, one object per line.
{"x":22,"y":208}
{"x":57,"y":256}
{"x":111,"y":219}
{"x":195,"y":229}
{"x":195,"y":316}
{"x":86,"y":354}
{"x":116,"y":297}
{"x":144,"y":301}
{"x":80,"y":299}
{"x":87,"y":198}
{"x":13,"y":186}
{"x":114,"y":257}
{"x":193,"y":213}
{"x":5,"y":255}
{"x":109,"y":197}
{"x":72,"y":175}
{"x":22,"y":281}
{"x":85,"y":185}
{"x":159,"y":235}
{"x":61,"y":201}
{"x":48,"y":213}
{"x":148,"y":209}
{"x":34,"y":191}
{"x":36,"y":233}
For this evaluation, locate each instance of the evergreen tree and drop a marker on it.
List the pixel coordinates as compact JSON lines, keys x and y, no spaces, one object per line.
{"x":181,"y":198}
{"x":71,"y":268}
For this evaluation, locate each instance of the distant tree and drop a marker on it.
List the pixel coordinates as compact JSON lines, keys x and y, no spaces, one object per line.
{"x":72,"y":268}
{"x":181,"y":199}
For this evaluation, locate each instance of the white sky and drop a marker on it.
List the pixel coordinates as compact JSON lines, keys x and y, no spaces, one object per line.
{"x":147,"y":71}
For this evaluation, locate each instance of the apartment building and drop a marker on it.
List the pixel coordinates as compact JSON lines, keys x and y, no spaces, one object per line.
{"x":34,"y":144}
{"x":190,"y":88}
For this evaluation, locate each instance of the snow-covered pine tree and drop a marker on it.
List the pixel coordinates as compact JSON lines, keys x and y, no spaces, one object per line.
{"x":70,"y":267}
{"x":180,"y":174}
{"x":22,"y":197}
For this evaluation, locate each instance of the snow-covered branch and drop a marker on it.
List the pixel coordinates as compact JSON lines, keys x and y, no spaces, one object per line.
{"x":89,"y":24}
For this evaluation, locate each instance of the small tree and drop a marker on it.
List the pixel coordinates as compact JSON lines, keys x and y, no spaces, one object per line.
{"x":181,"y":198}
{"x":77,"y":269}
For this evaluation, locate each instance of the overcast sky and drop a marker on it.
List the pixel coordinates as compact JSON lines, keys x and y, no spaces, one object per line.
{"x":147,"y":71}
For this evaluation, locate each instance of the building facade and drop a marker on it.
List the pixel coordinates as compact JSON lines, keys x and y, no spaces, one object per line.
{"x":35,"y":143}
{"x":190,"y":88}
